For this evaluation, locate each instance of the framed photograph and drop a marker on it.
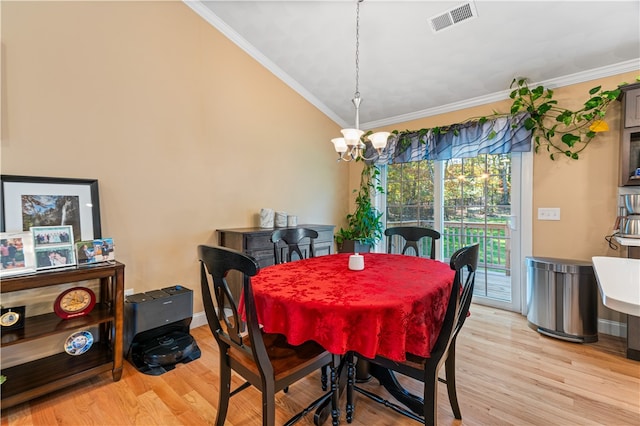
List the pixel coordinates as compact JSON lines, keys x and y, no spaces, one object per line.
{"x":53,"y":246}
{"x":104,"y":250}
{"x":17,"y":253}
{"x":32,"y":201}
{"x":85,"y":253}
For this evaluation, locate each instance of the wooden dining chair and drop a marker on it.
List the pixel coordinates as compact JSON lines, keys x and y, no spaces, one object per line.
{"x":465,"y":263}
{"x":292,"y":238}
{"x":411,"y":235}
{"x":263,"y":360}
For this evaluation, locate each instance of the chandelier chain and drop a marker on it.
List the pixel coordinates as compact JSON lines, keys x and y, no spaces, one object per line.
{"x":357,"y":94}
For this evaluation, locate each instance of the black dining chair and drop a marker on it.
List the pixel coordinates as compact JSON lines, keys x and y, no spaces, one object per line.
{"x":263,"y":360}
{"x":292,"y":238}
{"x":465,"y":263}
{"x":411,"y":235}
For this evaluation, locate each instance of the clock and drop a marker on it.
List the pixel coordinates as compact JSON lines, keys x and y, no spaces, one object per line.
{"x":12,"y":318}
{"x":74,"y":302}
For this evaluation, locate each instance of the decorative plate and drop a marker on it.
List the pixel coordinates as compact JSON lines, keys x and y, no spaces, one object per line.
{"x":78,"y":343}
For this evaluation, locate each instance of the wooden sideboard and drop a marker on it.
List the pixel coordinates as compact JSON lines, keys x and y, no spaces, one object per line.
{"x":36,"y":378}
{"x":256,"y":242}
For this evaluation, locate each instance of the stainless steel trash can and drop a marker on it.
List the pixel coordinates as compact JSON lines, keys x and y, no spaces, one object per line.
{"x":562,"y":298}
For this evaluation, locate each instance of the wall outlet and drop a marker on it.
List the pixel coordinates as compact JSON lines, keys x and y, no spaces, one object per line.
{"x":549,"y":213}
{"x":128,"y":292}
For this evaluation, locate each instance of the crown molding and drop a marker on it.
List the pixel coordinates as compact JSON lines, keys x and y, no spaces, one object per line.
{"x":568,"y":80}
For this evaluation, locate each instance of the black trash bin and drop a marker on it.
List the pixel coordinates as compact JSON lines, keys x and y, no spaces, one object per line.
{"x":562,"y":298}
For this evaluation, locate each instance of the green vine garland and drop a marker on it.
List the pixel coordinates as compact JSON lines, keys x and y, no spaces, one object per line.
{"x":558,"y":130}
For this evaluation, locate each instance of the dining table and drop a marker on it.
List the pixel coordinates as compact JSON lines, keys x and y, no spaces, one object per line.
{"x":393,"y":306}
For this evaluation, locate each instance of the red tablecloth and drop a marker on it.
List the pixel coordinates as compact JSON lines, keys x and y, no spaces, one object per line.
{"x":395,"y":305}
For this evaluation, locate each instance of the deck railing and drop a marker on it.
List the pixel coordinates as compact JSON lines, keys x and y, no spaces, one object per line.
{"x":494,"y":240}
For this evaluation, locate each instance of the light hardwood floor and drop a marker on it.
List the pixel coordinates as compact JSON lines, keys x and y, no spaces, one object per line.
{"x":507,"y":374}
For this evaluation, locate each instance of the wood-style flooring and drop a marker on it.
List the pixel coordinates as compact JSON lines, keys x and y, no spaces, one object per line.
{"x":507,"y":374}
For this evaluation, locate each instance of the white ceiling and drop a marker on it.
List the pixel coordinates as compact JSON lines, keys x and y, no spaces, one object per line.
{"x":406,"y":70}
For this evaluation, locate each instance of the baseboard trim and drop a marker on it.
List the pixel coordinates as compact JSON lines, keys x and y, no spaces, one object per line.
{"x":199,"y":319}
{"x":613,"y":328}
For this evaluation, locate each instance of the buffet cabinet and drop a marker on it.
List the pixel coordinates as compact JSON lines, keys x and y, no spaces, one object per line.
{"x":256,"y":242}
{"x":41,"y":376}
{"x":630,"y":135}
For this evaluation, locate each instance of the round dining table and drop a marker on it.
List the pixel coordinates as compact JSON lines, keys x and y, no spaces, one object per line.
{"x":395,"y":305}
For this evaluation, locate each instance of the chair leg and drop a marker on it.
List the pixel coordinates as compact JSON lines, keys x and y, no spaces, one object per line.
{"x":335,"y":391}
{"x":351,"y":373}
{"x":225,"y":391}
{"x":324,"y":377}
{"x":268,"y":405}
{"x":450,"y":371}
{"x":430,"y":397}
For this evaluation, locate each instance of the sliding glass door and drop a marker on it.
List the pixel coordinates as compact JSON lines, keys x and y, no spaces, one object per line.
{"x":471,"y":200}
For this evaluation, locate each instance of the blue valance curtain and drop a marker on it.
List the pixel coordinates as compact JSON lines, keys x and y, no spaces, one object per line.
{"x":495,"y":136}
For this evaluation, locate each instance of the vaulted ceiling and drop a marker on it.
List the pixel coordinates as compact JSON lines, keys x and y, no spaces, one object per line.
{"x":408,"y":70}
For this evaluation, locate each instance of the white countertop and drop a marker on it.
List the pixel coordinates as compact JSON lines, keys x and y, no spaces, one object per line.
{"x":628,"y":241}
{"x":619,"y":282}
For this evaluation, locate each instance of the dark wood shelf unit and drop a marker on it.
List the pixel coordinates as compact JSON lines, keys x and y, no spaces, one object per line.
{"x":41,"y":376}
{"x":50,"y":324}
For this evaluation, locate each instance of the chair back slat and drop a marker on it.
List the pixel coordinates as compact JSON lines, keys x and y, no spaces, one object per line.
{"x":465,"y":263}
{"x":292,"y":237}
{"x":220,"y":307}
{"x":411,"y":235}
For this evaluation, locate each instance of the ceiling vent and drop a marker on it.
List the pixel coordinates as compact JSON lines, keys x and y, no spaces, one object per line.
{"x":458,"y":14}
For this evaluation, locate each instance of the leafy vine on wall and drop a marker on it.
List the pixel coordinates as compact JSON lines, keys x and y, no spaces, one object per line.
{"x":555,"y":129}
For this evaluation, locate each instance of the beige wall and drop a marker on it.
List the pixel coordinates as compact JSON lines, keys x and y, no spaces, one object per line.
{"x":185,"y":133}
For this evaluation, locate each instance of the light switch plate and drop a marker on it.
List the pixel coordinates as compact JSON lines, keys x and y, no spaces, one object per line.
{"x":549,"y":213}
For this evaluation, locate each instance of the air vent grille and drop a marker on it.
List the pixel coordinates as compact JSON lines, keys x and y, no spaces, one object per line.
{"x":453,"y":16}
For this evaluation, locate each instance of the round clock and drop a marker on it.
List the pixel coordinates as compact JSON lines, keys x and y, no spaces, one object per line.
{"x":74,"y":302}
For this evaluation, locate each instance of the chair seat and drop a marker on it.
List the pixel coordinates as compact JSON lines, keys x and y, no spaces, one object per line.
{"x":284,"y":357}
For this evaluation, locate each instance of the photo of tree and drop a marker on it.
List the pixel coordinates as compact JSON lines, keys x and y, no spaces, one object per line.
{"x":51,"y":210}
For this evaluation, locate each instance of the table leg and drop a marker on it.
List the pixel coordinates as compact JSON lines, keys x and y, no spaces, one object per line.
{"x":391,"y":384}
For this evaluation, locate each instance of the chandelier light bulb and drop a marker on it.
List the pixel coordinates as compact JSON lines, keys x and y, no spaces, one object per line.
{"x":379,"y":139}
{"x":352,"y":136}
{"x":340,"y":145}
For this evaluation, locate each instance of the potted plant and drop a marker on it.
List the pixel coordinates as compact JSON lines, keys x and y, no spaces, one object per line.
{"x":364,"y":226}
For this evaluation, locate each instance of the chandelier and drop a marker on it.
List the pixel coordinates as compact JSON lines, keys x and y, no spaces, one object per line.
{"x":350,"y":146}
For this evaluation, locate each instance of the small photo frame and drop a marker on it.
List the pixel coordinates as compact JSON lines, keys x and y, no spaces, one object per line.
{"x":104,"y":250}
{"x":16,"y":250}
{"x":85,"y":253}
{"x":53,"y":246}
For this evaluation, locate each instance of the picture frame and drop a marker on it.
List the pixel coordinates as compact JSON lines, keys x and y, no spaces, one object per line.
{"x":53,"y":246}
{"x":95,"y":251}
{"x":104,"y":250}
{"x":27,"y":201}
{"x":16,"y":250}
{"x":85,"y":253}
